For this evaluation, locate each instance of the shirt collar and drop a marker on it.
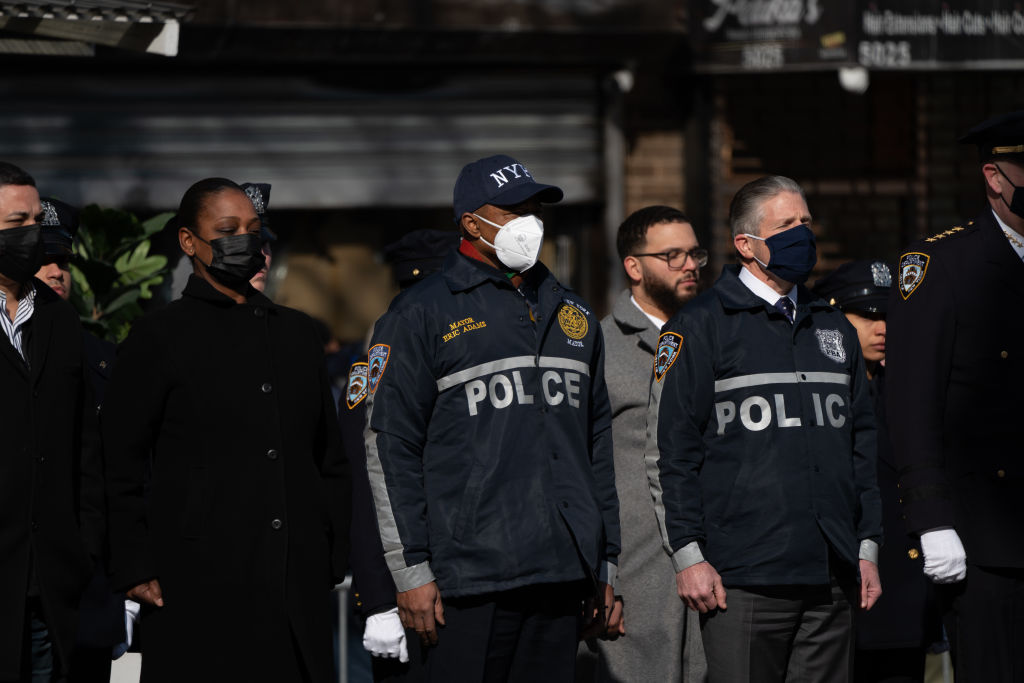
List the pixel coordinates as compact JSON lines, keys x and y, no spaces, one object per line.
{"x":761,"y":288}
{"x":1007,"y":229}
{"x":28,"y":292}
{"x":462,"y":273}
{"x":655,"y":320}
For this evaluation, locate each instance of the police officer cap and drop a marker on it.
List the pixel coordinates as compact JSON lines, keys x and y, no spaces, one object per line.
{"x":58,"y":227}
{"x":858,"y":286}
{"x":499,"y":180}
{"x":418,"y":254}
{"x":259,"y":195}
{"x":999,"y":137}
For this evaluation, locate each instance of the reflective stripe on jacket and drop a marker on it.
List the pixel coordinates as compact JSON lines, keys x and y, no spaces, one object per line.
{"x":761,"y":437}
{"x":489,"y":434}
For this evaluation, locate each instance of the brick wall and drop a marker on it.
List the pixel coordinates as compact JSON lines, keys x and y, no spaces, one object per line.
{"x":654,"y":170}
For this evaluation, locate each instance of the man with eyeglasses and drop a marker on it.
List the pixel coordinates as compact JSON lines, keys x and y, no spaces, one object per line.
{"x":761,"y":456}
{"x":659,"y":253}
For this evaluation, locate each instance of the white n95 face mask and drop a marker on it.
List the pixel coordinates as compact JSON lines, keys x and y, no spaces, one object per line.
{"x":518,"y":242}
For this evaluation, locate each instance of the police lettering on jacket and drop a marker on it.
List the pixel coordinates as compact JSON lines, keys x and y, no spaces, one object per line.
{"x":489,"y":434}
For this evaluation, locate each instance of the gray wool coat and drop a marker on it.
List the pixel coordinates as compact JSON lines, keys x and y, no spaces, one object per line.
{"x":662,"y":641}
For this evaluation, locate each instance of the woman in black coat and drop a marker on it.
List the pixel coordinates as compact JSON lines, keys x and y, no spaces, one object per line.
{"x":893,"y":638}
{"x":228,"y":490}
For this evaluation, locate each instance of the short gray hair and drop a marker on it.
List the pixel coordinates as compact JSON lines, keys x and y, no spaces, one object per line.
{"x":745,"y":208}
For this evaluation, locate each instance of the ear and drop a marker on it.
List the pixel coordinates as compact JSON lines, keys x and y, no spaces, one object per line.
{"x":469,"y":225}
{"x":993,"y":178}
{"x":742,"y":244}
{"x":186,"y":241}
{"x":634,"y":271}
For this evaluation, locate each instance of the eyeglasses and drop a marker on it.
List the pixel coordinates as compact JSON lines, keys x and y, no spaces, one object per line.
{"x":676,"y":258}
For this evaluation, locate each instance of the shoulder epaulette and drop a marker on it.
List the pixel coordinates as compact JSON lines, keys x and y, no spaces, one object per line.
{"x":956,"y":230}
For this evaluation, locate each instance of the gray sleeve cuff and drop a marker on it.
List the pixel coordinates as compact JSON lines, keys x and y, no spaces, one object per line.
{"x":412,"y":577}
{"x":687,"y":556}
{"x":608,"y":573}
{"x":868,"y":550}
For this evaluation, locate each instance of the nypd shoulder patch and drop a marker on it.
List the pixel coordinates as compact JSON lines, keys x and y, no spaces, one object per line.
{"x":831,"y":344}
{"x":912,"y":269}
{"x":355,"y":392}
{"x":668,"y":350}
{"x":377,"y":362}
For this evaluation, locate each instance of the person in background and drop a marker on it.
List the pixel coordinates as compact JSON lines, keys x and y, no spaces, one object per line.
{"x":259,"y":195}
{"x":659,"y":252}
{"x":228,"y":490}
{"x":893,"y":638}
{"x":412,"y":258}
{"x":51,"y":475}
{"x":102,"y":612}
{"x":956,"y":385}
{"x":489,"y":448}
{"x":761,"y":456}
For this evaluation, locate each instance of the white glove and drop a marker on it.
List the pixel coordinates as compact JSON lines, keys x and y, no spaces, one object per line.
{"x":384,"y":636}
{"x":131,"y":615}
{"x":944,"y":558}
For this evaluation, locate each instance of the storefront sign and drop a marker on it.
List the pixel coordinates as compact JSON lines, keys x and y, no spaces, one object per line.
{"x":739,"y":36}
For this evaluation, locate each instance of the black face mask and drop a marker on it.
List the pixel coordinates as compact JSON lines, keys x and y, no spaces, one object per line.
{"x":236,"y":259}
{"x":1015,"y":205}
{"x":21,"y":252}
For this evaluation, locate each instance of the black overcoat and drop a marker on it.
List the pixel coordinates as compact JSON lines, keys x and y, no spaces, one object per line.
{"x":955,"y":358}
{"x":244,"y":518}
{"x":907,"y":615}
{"x":51,"y":481}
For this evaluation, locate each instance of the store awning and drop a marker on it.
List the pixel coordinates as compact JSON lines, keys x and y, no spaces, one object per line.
{"x":74,"y":26}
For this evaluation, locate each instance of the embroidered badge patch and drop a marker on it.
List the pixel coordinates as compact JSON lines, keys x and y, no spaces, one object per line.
{"x":831,"y":344}
{"x":572,"y":321}
{"x":668,"y":351}
{"x":355,"y":392}
{"x":377,"y":361}
{"x":880,"y":274}
{"x":50,"y":216}
{"x":913,"y":267}
{"x":256,"y":197}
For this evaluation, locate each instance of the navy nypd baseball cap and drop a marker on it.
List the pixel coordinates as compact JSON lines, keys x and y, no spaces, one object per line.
{"x":498,"y":180}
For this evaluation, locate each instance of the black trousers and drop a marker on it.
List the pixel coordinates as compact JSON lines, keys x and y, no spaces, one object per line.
{"x":523,"y":635}
{"x":986,"y":625}
{"x":771,"y":634}
{"x":894,"y":665}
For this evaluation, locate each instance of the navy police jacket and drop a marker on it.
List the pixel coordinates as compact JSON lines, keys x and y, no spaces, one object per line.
{"x":489,"y":434}
{"x":761,"y":438}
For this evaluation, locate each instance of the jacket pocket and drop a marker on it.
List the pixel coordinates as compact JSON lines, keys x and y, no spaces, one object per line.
{"x":197,"y":500}
{"x":469,"y":504}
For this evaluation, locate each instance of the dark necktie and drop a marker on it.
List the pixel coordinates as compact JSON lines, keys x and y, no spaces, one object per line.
{"x":786,"y":307}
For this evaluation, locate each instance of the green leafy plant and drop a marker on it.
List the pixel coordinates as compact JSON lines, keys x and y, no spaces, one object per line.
{"x":112,"y":269}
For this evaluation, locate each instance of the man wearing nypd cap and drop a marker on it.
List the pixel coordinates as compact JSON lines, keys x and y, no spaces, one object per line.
{"x":103,"y":615}
{"x":761,"y":456}
{"x":956,"y":384}
{"x":489,"y":447}
{"x":413,"y":257}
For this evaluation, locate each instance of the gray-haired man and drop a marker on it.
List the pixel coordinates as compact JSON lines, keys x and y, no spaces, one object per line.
{"x":761,"y":456}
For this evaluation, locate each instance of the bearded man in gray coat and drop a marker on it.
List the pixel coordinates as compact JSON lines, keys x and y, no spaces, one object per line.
{"x":661,"y":640}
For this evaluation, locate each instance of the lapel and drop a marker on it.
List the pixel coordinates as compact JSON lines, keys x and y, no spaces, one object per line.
{"x":38,"y":346}
{"x":1008,"y":267}
{"x":10,"y":355}
{"x":631,"y":320}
